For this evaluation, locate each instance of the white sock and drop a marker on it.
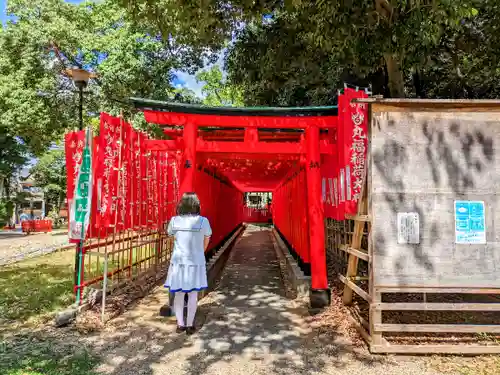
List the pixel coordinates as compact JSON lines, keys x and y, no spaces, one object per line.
{"x":192,"y":305}
{"x":179,"y":307}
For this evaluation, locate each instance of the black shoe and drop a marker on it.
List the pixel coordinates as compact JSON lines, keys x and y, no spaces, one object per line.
{"x":190,"y":330}
{"x":180,"y":329}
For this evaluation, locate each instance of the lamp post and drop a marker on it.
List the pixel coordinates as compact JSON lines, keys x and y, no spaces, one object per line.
{"x":80,"y":78}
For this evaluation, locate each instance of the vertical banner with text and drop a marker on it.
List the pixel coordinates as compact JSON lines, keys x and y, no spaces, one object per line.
{"x":82,"y":197}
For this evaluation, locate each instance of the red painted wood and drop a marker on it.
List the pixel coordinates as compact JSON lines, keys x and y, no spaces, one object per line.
{"x":188,"y":166}
{"x":315,"y":210}
{"x":245,"y":147}
{"x":273,"y":122}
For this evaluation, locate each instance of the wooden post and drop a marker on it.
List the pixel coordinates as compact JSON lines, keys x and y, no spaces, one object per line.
{"x":189,"y":161}
{"x":357,"y":238}
{"x":320,"y":294}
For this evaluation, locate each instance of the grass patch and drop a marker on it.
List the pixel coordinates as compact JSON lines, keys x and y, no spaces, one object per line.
{"x":31,"y":291}
{"x":34,"y":288}
{"x":35,"y":354}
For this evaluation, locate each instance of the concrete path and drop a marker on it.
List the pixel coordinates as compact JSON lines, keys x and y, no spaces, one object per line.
{"x":245,"y":327}
{"x":16,"y":246}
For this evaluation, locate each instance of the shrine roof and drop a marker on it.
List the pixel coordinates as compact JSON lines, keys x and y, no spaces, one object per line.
{"x":155,"y":105}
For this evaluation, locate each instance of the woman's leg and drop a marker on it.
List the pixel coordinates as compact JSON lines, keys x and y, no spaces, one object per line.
{"x":179,"y":308}
{"x":192,"y":304}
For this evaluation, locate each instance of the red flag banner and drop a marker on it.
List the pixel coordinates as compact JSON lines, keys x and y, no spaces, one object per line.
{"x":328,"y":174}
{"x":94,"y":229}
{"x":137,"y":180}
{"x":73,"y":144}
{"x":144,"y":188}
{"x":132,"y":180}
{"x":356,"y":131}
{"x":123,"y":205}
{"x":110,"y":136}
{"x":342,"y":144}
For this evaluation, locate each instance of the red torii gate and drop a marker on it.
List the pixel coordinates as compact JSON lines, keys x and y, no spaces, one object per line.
{"x":275,"y":139}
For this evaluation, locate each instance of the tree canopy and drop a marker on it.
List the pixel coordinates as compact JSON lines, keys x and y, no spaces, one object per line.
{"x":303,"y":54}
{"x":218,"y":90}
{"x":300,"y":52}
{"x":37,"y":100}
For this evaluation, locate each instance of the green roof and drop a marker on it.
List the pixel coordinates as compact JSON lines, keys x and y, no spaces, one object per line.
{"x":155,"y":105}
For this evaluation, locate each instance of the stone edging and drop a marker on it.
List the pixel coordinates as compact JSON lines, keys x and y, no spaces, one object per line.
{"x":300,"y":282}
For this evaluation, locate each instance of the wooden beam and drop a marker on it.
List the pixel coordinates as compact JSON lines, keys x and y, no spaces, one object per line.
{"x":422,"y":328}
{"x":293,"y":148}
{"x":438,"y":306}
{"x":353,"y":287}
{"x":352,"y":266}
{"x":258,"y":147}
{"x":358,"y":253}
{"x":237,"y":121}
{"x":435,"y":349}
{"x":437,"y":290}
{"x":365,"y":218}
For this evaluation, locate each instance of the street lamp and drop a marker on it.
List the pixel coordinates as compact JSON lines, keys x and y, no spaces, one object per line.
{"x":80,"y":78}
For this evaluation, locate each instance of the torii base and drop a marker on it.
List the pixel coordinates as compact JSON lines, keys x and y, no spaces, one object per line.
{"x":319,"y":298}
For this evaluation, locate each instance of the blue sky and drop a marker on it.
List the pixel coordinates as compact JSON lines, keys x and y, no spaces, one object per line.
{"x":3,"y":4}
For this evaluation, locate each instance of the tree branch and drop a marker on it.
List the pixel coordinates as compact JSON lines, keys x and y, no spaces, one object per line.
{"x":385,"y":9}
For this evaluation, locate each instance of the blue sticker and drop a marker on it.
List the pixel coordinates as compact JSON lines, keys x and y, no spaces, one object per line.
{"x":470,"y":222}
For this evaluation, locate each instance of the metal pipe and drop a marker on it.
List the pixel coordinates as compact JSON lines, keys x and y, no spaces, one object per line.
{"x":80,"y":107}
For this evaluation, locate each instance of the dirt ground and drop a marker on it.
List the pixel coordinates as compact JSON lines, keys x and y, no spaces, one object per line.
{"x":247,"y":325}
{"x":15,"y":246}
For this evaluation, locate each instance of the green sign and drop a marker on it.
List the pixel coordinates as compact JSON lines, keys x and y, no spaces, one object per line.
{"x":82,"y":198}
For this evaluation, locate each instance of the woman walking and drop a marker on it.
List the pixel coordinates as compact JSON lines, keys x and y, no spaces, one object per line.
{"x":187,"y":273}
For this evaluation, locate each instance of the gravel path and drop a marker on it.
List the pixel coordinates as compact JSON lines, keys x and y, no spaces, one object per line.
{"x":16,"y":246}
{"x":245,"y":327}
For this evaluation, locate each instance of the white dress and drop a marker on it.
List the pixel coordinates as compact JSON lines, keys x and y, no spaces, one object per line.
{"x":187,"y":271}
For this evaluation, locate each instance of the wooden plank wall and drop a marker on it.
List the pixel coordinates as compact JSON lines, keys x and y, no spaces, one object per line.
{"x":424,"y":155}
{"x":422,"y":162}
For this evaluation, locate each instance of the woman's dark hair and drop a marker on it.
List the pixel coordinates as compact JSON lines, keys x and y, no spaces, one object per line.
{"x":188,"y":205}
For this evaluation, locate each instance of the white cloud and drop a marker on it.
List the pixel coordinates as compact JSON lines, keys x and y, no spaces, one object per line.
{"x":189,"y":80}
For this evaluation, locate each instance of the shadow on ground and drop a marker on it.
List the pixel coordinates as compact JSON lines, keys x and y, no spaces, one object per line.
{"x":245,"y":325}
{"x":40,"y":352}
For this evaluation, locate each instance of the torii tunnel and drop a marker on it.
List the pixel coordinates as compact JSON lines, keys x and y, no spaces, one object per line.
{"x":312,"y":160}
{"x":259,"y":150}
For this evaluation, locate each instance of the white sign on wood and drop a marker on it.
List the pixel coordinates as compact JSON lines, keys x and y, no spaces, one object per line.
{"x":408,"y":228}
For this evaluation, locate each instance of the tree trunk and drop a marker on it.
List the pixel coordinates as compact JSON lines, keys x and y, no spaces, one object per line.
{"x":7,"y":183}
{"x":395,"y":75}
{"x":59,"y":205}
{"x":419,"y":89}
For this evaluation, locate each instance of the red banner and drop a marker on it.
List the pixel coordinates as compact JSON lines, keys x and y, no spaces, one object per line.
{"x":134,"y":186}
{"x":137,"y":180}
{"x":123,"y":203}
{"x":108,"y":171}
{"x":73,"y":144}
{"x":355,"y":124}
{"x":130,"y":219}
{"x":329,"y":178}
{"x":94,"y":229}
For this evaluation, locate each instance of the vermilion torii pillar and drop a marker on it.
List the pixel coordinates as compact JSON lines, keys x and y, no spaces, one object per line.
{"x":190,"y":136}
{"x":320,"y":294}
